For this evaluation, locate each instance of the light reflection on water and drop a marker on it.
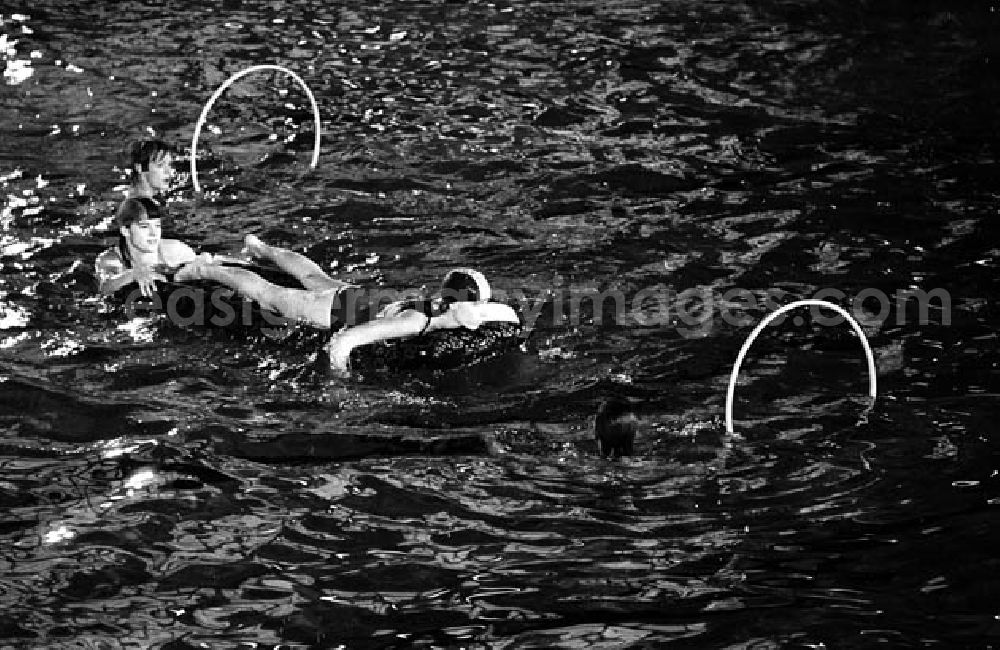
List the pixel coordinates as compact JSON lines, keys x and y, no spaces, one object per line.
{"x":181,"y":486}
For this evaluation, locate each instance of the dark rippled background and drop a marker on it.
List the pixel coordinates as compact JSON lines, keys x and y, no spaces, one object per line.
{"x":185,"y":489}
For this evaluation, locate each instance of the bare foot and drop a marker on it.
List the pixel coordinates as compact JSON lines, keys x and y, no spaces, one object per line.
{"x":253,"y":246}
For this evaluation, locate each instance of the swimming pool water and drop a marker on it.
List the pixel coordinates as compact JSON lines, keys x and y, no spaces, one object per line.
{"x":180,"y":487}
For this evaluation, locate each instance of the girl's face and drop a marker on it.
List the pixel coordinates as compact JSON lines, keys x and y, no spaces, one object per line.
{"x":143,"y":235}
{"x":161,"y":170}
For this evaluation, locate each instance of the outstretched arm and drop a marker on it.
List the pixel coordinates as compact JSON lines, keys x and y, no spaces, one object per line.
{"x":407,"y":323}
{"x":410,"y":323}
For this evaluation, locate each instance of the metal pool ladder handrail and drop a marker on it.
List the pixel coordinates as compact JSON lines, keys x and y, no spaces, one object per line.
{"x":233,"y":79}
{"x":731,"y":392}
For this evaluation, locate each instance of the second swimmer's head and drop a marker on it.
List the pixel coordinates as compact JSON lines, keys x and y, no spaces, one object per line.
{"x":151,"y":162}
{"x":465,"y":285}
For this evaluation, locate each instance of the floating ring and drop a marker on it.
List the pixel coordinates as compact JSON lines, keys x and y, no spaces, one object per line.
{"x":730,"y":394}
{"x":233,"y":79}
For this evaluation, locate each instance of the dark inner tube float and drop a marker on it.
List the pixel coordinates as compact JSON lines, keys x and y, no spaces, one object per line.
{"x":210,"y":306}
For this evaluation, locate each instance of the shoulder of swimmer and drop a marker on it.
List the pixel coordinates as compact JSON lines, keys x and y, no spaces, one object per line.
{"x":109,"y":259}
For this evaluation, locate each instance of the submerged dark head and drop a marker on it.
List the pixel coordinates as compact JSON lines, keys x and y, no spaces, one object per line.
{"x":614,"y":427}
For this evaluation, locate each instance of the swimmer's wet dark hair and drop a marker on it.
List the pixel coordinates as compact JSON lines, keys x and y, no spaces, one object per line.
{"x":615,"y":426}
{"x":133,"y":210}
{"x":464,"y":285}
{"x":143,"y":151}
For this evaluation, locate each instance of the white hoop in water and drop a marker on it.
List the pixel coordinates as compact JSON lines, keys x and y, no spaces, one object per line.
{"x":730,"y":394}
{"x":229,"y":82}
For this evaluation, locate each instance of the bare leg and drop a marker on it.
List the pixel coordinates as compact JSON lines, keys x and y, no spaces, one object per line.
{"x":309,"y":273}
{"x":311,"y":306}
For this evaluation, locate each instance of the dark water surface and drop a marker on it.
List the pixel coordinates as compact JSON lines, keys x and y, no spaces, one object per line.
{"x":182,"y":488}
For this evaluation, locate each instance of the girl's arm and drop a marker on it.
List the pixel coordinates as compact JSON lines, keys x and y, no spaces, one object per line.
{"x":112,"y":275}
{"x":410,"y":323}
